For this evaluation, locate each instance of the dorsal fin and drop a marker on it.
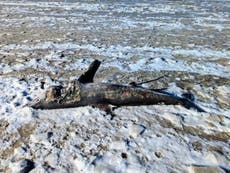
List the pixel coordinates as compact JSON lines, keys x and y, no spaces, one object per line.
{"x":88,"y":76}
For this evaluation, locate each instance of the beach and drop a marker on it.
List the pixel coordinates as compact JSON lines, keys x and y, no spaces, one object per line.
{"x":45,"y":43}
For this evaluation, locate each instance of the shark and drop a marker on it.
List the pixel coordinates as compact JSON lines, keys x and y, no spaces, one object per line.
{"x":84,"y":92}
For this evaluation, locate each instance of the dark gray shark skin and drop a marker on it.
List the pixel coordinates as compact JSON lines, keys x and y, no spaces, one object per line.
{"x":83,"y":92}
{"x":78,"y":94}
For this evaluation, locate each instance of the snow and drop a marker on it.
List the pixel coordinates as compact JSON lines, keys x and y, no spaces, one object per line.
{"x":163,"y":58}
{"x":155,"y":138}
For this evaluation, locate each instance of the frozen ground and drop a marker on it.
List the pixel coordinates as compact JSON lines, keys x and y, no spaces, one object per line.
{"x":42,"y":43}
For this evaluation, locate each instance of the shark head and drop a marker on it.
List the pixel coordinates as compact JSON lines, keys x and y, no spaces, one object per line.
{"x":50,"y":96}
{"x":58,"y":96}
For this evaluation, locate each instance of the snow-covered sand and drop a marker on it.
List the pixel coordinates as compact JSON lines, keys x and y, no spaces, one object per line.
{"x":43,"y":43}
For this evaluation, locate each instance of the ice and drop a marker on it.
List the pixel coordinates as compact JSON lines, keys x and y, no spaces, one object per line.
{"x":41,"y":41}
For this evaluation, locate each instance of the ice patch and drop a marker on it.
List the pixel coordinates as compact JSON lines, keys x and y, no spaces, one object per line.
{"x":150,"y":59}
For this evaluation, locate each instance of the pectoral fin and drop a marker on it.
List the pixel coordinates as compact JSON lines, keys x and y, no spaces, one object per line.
{"x":109,"y":109}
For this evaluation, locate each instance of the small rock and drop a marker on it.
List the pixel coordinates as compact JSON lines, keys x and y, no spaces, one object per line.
{"x":158,"y":135}
{"x":16,"y":104}
{"x":124,"y":155}
{"x":42,"y":85}
{"x":62,"y":55}
{"x":82,"y":145}
{"x":49,"y":134}
{"x":197,"y":146}
{"x":24,"y":93}
{"x":159,"y":154}
{"x":29,"y":99}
